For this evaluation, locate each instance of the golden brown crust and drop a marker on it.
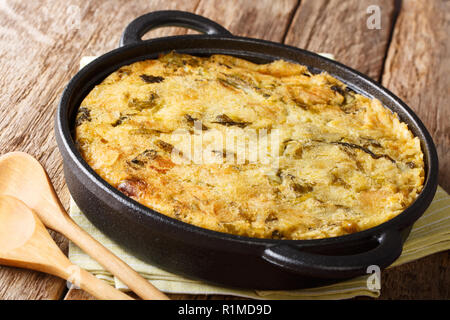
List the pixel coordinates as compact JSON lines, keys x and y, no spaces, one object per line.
{"x":344,"y":163}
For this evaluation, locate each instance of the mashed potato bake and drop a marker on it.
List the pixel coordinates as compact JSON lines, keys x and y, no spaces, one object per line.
{"x":267,"y":151}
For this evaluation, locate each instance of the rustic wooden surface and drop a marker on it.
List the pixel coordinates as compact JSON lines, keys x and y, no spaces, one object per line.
{"x":41,"y":44}
{"x":417,"y":69}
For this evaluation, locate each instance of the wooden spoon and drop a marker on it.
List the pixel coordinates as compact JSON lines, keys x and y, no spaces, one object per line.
{"x":23,"y":177}
{"x":25,"y":243}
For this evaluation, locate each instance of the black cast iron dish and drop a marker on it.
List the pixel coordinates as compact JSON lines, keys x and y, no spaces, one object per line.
{"x":218,"y":257}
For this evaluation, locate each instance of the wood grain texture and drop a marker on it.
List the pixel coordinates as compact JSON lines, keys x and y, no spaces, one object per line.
{"x":263,"y":19}
{"x":427,"y":278}
{"x":41,"y":45}
{"x":412,"y":71}
{"x":21,"y":284}
{"x":77,"y":294}
{"x":417,"y":69}
{"x":340,"y":28}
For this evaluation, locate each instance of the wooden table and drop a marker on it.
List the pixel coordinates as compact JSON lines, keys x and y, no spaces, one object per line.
{"x":407,"y":50}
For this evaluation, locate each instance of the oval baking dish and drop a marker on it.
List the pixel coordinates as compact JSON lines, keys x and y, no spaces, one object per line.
{"x":219,"y":257}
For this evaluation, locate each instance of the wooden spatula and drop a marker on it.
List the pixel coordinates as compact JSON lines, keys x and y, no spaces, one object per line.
{"x":25,"y":243}
{"x":23,"y":177}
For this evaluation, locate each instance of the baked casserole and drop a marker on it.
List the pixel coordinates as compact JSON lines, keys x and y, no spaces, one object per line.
{"x":260,"y":150}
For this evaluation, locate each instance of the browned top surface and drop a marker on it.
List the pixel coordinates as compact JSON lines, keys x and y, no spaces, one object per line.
{"x":41,"y":43}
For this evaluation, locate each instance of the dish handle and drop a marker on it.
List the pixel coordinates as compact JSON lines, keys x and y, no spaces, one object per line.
{"x":288,"y":257}
{"x":137,"y":28}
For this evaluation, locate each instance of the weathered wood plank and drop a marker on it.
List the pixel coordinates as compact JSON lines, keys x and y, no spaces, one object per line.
{"x":417,"y":69}
{"x":41,"y":43}
{"x":35,"y":70}
{"x":19,"y":284}
{"x":427,"y":278}
{"x":78,"y":294}
{"x":340,"y":28}
{"x":263,"y":19}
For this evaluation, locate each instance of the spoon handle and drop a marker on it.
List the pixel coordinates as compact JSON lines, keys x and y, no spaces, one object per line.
{"x":110,"y":262}
{"x":96,"y":287}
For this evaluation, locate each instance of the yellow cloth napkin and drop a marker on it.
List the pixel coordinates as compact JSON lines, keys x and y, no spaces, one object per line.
{"x":430,"y":234}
